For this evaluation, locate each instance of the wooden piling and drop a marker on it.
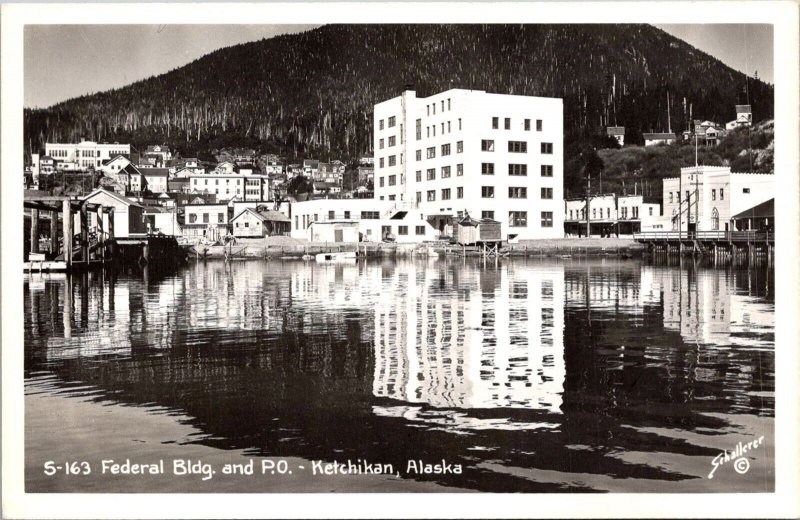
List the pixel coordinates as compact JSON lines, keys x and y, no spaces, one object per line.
{"x":34,"y":231}
{"x":67,"y":233}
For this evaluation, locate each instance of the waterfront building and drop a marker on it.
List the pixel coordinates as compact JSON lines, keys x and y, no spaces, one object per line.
{"x":707,"y":197}
{"x":86,"y":154}
{"x":127,"y":215}
{"x":375,"y":220}
{"x":637,"y":213}
{"x":252,"y":223}
{"x":460,"y":151}
{"x":162,"y":220}
{"x":209,"y":220}
{"x":653,"y":139}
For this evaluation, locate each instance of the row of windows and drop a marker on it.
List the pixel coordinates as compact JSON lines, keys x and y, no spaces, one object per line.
{"x":487,"y":145}
{"x":430,"y":131}
{"x":206,"y":218}
{"x":216,"y":181}
{"x":487,"y":192}
{"x":526,"y":124}
{"x":433,"y":106}
{"x":520,"y":218}
{"x":401,"y":230}
{"x":392,"y":122}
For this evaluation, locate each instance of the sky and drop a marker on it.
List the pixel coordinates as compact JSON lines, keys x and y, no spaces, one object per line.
{"x":65,"y":61}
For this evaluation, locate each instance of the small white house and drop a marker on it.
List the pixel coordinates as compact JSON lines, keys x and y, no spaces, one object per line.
{"x":252,"y":223}
{"x":658,"y":138}
{"x":618,"y":133}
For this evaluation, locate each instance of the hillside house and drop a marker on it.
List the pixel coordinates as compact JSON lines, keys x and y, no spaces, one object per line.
{"x":156,"y":179}
{"x":116,"y":164}
{"x":744,"y":115}
{"x":618,"y":133}
{"x":653,"y":139}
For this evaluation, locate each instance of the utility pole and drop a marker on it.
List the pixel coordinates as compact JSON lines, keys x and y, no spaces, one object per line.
{"x":588,"y":199}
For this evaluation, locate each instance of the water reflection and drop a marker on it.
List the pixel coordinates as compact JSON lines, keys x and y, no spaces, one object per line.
{"x":537,"y":376}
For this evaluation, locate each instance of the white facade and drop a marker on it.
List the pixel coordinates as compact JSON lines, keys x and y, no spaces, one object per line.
{"x":373,"y":219}
{"x":207,"y":220}
{"x":491,"y":155}
{"x":86,"y":154}
{"x":115,"y":165}
{"x":711,"y":195}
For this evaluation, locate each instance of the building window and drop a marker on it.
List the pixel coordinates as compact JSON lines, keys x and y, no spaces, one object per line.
{"x":670,"y":198}
{"x":446,"y":194}
{"x":419,"y":197}
{"x":392,"y":121}
{"x":714,"y":194}
{"x":594,"y":213}
{"x":370,"y":215}
{"x":714,"y":219}
{"x":380,"y":124}
{"x":518,"y":218}
{"x":392,"y":140}
{"x":380,"y":182}
{"x":518,"y":146}
{"x":518,"y":169}
{"x":392,"y":160}
{"x":487,"y":145}
{"x":347,"y":215}
{"x":448,"y":104}
{"x":445,"y":149}
{"x":459,"y":123}
{"x":487,"y":168}
{"x":745,"y":190}
{"x":442,"y":127}
{"x":331,"y":215}
{"x":420,"y":230}
{"x":419,"y":155}
{"x":448,"y":127}
{"x":538,"y":125}
{"x":419,"y":175}
{"x":527,"y":124}
{"x":651,"y":211}
{"x":459,"y":170}
{"x":517,"y":192}
{"x":636,"y":212}
{"x":487,"y":192}
{"x":402,"y":230}
{"x":205,"y":218}
{"x":192,"y":218}
{"x":380,"y":143}
{"x":392,"y":180}
{"x":431,"y":174}
{"x":547,"y":193}
{"x":547,"y":170}
{"x":431,"y":152}
{"x":487,"y":214}
{"x":380,"y":162}
{"x":722,"y":194}
{"x":459,"y":146}
{"x":495,"y":123}
{"x":547,"y":148}
{"x":445,"y":172}
{"x":460,"y":192}
{"x":431,"y":195}
{"x":507,"y":123}
{"x":419,"y":129}
{"x":547,"y":219}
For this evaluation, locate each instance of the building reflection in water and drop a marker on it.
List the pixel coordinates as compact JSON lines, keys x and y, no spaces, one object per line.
{"x":494,"y":342}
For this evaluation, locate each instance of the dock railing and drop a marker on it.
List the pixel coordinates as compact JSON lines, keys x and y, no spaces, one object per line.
{"x":716,"y":235}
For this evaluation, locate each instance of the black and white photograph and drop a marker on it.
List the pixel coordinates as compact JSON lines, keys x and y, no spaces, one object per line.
{"x":369,"y":255}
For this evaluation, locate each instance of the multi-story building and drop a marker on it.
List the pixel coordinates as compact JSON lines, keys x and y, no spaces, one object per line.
{"x":711,"y":195}
{"x":467,"y":151}
{"x":205,"y":220}
{"x":86,"y":154}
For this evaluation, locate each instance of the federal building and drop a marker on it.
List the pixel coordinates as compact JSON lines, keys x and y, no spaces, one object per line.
{"x":469,"y":152}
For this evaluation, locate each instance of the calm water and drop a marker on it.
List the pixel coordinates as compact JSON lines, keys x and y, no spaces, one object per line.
{"x":535,"y":376}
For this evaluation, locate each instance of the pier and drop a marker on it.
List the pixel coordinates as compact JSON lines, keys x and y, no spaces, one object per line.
{"x":711,"y":243}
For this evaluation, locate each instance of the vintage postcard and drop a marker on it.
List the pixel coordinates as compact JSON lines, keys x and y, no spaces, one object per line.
{"x":526,"y":260}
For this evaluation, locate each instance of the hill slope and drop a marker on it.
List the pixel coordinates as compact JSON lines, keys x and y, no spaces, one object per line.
{"x":313,"y":92}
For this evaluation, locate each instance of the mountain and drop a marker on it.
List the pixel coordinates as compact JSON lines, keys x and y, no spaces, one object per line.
{"x":312,"y":93}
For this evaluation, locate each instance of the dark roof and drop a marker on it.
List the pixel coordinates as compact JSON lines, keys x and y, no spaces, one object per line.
{"x":764,"y":210}
{"x":130,"y":169}
{"x":155,"y":172}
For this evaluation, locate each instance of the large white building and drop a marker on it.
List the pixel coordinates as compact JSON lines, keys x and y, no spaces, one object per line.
{"x":86,"y":154}
{"x":467,"y":151}
{"x":711,"y":195}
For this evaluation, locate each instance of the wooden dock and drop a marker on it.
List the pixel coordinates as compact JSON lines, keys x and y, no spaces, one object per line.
{"x":713,"y":243}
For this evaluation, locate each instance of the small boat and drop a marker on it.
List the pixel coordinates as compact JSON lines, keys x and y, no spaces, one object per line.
{"x":345,"y":256}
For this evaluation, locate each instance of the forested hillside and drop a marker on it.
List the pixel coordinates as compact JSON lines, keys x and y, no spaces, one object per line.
{"x":312,"y":93}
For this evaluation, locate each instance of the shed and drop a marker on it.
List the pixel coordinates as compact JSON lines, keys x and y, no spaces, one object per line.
{"x":470,"y":231}
{"x":252,"y":223}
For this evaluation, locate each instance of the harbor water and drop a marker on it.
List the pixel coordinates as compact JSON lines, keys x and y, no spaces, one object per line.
{"x":528,"y":375}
